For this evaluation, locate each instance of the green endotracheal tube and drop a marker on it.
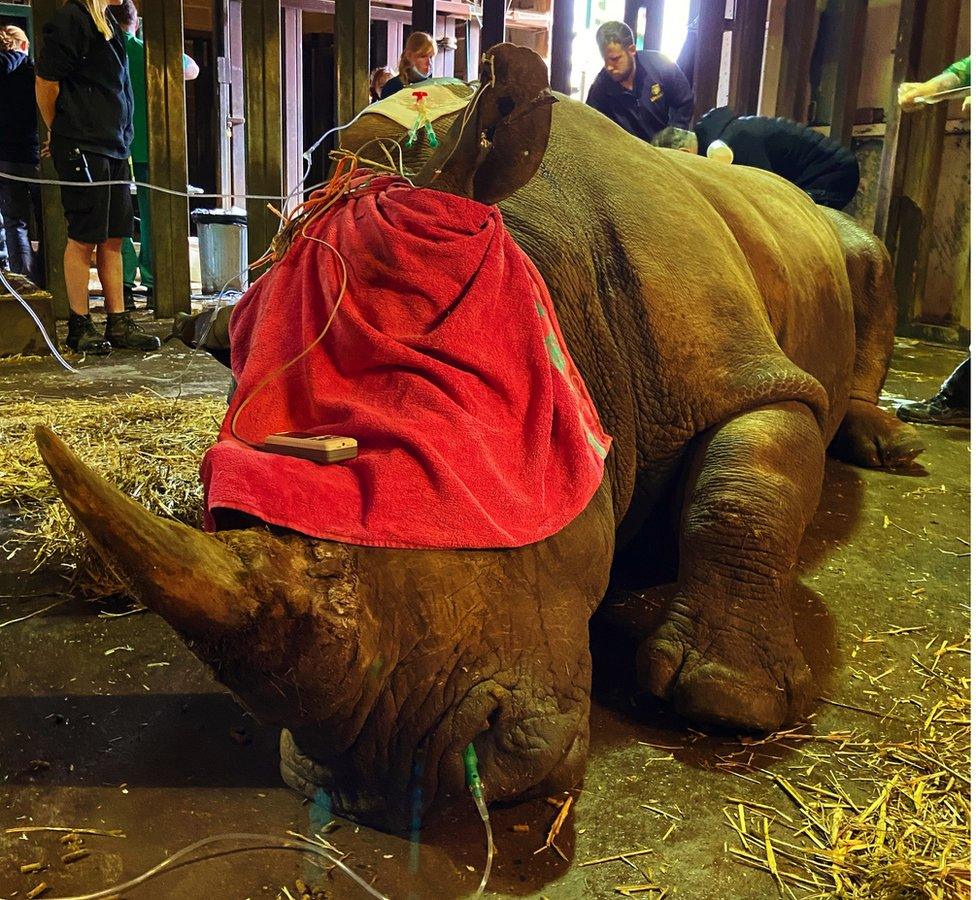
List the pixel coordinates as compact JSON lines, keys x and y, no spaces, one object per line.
{"x":473,"y":781}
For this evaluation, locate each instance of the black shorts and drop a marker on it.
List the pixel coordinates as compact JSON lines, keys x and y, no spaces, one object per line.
{"x":96,"y":213}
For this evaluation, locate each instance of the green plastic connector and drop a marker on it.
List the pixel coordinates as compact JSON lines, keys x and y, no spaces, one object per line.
{"x":471,"y":777}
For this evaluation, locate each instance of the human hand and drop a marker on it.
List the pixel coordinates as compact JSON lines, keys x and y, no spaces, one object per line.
{"x":46,"y":148}
{"x":909,"y":92}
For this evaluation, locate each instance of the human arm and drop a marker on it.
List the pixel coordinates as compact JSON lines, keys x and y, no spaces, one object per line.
{"x":190,"y":69}
{"x":10,"y":60}
{"x":47,"y":100}
{"x":957,"y":75}
{"x":679,"y":96}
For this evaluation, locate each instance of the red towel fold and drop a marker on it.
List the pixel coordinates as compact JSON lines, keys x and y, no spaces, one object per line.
{"x":444,"y":361}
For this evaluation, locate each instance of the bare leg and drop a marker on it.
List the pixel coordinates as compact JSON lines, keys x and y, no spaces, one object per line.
{"x":108,"y":259}
{"x":77,"y":264}
{"x":726,"y":651}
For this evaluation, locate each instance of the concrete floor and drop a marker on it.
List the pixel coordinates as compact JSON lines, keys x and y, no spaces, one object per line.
{"x":111,"y":723}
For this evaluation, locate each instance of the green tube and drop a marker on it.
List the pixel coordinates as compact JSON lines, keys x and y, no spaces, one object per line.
{"x":471,"y":777}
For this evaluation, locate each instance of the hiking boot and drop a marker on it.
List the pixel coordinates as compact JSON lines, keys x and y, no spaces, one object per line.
{"x":83,"y":336}
{"x":936,"y":411}
{"x":123,"y":333}
{"x":129,"y":296}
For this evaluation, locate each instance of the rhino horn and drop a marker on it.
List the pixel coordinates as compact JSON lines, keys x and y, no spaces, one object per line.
{"x":191,"y":579}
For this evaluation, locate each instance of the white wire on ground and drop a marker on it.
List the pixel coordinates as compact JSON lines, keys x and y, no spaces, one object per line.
{"x":38,"y":323}
{"x":270,"y":843}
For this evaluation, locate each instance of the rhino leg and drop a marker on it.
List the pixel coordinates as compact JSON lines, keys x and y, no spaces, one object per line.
{"x":868,"y":435}
{"x":726,"y":652}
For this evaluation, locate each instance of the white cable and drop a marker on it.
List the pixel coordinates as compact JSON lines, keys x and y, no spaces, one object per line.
{"x":38,"y":323}
{"x":279,"y":844}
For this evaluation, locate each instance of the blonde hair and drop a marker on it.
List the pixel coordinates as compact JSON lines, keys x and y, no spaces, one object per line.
{"x":11,"y":35}
{"x":97,"y":9}
{"x":418,"y":42}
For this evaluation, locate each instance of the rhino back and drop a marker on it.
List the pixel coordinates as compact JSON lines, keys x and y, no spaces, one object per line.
{"x":683,"y":296}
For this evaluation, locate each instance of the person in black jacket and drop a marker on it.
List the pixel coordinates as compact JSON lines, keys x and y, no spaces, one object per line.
{"x":641,"y":90}
{"x":416,"y":64}
{"x":85,"y":97}
{"x":822,"y":168}
{"x":19,"y":152}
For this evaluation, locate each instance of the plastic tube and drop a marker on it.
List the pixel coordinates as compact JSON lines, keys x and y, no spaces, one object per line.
{"x":473,"y":781}
{"x":38,"y":323}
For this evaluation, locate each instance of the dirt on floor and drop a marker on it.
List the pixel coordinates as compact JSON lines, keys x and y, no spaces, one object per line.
{"x":108,"y":722}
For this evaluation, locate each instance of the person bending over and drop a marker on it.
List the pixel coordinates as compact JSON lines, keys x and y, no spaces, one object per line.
{"x":378,"y":78}
{"x":822,"y":168}
{"x":641,"y":90}
{"x":19,"y":152}
{"x":85,"y":99}
{"x":416,"y":64}
{"x":128,"y":18}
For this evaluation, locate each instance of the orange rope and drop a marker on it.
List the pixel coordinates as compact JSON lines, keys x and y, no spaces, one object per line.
{"x":303,"y":216}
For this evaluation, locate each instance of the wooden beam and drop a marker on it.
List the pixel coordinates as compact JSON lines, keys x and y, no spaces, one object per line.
{"x":561,"y":66}
{"x":748,"y":42}
{"x":492,"y":23}
{"x":847,"y":79}
{"x":261,"y":28}
{"x":54,"y":228}
{"x":912,"y":155}
{"x":424,"y":16}
{"x":799,"y":34}
{"x":162,"y":26}
{"x":653,"y":24}
{"x":351,"y":58}
{"x":708,"y":55}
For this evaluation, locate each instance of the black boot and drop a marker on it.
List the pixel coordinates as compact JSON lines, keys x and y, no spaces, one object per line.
{"x":123,"y":333}
{"x":83,"y":336}
{"x":129,"y":296}
{"x":948,"y":407}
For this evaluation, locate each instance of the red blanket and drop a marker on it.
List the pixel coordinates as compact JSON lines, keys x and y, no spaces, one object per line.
{"x":444,"y":361}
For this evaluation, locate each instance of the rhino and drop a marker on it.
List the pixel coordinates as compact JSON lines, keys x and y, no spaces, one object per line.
{"x":730,"y":333}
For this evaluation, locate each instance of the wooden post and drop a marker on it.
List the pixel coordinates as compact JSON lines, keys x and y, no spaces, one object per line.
{"x":562,"y":47}
{"x":261,"y":27}
{"x":653,"y":24}
{"x":424,"y":16}
{"x":912,"y":155}
{"x":708,"y":55}
{"x":748,"y":41}
{"x":842,"y":69}
{"x":799,"y":34}
{"x":162,"y":25}
{"x":352,"y":58}
{"x":492,"y":23}
{"x":54,"y":228}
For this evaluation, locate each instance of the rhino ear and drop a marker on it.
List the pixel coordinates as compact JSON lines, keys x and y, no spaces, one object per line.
{"x":497,"y":143}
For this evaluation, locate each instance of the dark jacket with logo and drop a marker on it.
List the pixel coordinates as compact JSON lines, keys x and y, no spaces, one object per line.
{"x":810,"y":160}
{"x":18,"y":109}
{"x":94,"y":108}
{"x":661,"y":97}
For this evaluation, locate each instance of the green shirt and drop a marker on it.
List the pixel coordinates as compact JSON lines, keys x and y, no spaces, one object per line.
{"x":136,"y":51}
{"x":963,"y":70}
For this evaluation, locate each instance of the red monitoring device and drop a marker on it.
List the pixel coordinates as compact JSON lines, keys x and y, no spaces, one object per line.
{"x":322,"y":448}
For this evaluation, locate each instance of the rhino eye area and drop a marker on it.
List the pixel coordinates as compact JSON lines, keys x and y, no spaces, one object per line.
{"x":505,"y":105}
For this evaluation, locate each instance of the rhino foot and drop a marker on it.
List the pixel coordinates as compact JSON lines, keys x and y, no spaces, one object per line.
{"x":751,"y":678}
{"x":874,"y":438}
